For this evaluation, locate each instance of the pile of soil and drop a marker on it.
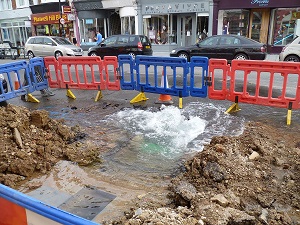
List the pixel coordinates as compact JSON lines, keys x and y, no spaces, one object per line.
{"x":245,"y":180}
{"x":250,"y":179}
{"x":32,"y":143}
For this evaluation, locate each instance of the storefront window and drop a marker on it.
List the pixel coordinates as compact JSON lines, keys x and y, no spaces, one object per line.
{"x":16,"y":32}
{"x":89,"y":27}
{"x":285,"y":27}
{"x":235,"y":22}
{"x":161,"y":29}
{"x":128,"y":25}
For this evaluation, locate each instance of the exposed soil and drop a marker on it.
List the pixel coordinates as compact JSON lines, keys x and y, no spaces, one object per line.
{"x":250,"y":179}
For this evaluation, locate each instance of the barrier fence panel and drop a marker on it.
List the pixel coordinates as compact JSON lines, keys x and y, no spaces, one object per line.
{"x":11,"y":84}
{"x":171,"y":71}
{"x":266,"y":90}
{"x":53,"y":73}
{"x":38,"y":73}
{"x":127,"y":72}
{"x":84,"y":72}
{"x":218,"y":74}
{"x":199,"y":81}
{"x":18,"y":208}
{"x":110,"y":64}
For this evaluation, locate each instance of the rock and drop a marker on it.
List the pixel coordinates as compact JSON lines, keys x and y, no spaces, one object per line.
{"x":17,"y":137}
{"x":254,"y":155}
{"x":263,"y":216}
{"x":220,"y":199}
{"x":213,"y":170}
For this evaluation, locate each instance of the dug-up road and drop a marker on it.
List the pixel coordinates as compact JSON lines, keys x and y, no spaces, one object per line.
{"x":59,"y":143}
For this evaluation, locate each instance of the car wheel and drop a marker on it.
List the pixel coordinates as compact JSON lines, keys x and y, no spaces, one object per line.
{"x":30,"y":55}
{"x":183,"y":55}
{"x":132,"y":54}
{"x":292,"y":58}
{"x":58,"y":54}
{"x":93,"y":54}
{"x":241,"y":56}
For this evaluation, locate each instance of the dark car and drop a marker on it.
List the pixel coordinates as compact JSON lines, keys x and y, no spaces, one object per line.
{"x":122,"y":44}
{"x":224,"y":47}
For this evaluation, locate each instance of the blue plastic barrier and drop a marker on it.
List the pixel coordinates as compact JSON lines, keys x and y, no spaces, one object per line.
{"x":129,"y":61}
{"x":41,"y":208}
{"x":37,"y":69}
{"x":150,"y":81}
{"x":197,"y":62}
{"x":9,"y":71}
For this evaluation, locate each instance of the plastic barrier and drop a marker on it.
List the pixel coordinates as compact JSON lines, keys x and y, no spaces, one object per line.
{"x":37,"y":69}
{"x":214,"y":66}
{"x":265,"y":91}
{"x":195,"y":63}
{"x":114,"y":84}
{"x":18,"y":208}
{"x":82,"y":72}
{"x":53,"y":72}
{"x":166,"y":65}
{"x":127,"y":60}
{"x":9,"y":72}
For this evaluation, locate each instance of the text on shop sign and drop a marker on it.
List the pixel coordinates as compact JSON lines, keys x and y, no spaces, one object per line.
{"x":48,"y":18}
{"x":260,"y":2}
{"x":175,"y":8}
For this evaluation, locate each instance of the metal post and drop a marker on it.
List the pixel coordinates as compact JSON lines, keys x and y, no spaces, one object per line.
{"x":60,"y":25}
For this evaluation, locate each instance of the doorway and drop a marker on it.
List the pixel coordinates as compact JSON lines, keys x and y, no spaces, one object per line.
{"x":259,"y":24}
{"x":186,"y":25}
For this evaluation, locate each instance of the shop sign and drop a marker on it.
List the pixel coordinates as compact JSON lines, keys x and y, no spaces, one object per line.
{"x":175,"y":8}
{"x":260,"y":2}
{"x":48,"y":18}
{"x":66,"y":9}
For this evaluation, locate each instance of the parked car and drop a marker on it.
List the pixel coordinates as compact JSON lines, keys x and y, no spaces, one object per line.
{"x":224,"y":47}
{"x":122,"y":44}
{"x":291,"y":52}
{"x":51,"y":46}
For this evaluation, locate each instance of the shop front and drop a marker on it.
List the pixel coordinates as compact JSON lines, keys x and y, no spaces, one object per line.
{"x":170,"y":25}
{"x":273,"y":22}
{"x":51,"y":24}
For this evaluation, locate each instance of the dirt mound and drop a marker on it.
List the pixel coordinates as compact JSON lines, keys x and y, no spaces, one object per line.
{"x":31,"y":142}
{"x":250,"y":179}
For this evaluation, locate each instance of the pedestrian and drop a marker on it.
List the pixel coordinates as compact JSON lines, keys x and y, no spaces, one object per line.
{"x":99,"y":37}
{"x":45,"y":92}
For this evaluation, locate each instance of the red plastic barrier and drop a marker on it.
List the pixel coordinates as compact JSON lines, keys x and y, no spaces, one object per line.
{"x":265,"y":90}
{"x":85,"y":72}
{"x":218,"y":64}
{"x":113,"y":85}
{"x":54,"y":78}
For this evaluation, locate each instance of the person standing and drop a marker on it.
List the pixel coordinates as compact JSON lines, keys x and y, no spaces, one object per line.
{"x":99,"y":37}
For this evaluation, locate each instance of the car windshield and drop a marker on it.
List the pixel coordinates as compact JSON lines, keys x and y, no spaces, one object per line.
{"x":62,"y":41}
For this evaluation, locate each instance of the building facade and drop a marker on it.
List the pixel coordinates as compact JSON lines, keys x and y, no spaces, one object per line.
{"x":15,"y":23}
{"x":170,"y":24}
{"x":273,"y":22}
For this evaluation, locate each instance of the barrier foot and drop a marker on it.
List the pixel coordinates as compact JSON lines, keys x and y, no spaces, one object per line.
{"x":164,"y":99}
{"x":31,"y":98}
{"x":98,"y":96}
{"x":289,"y":114}
{"x":139,"y":98}
{"x":180,"y":103}
{"x":70,"y":94}
{"x":234,"y":108}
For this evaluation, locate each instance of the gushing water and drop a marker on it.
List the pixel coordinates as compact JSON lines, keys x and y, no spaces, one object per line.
{"x":171,"y":131}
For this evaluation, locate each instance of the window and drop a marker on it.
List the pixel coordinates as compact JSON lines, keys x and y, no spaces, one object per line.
{"x":234,"y":22}
{"x":5,"y":5}
{"x":22,"y":3}
{"x":110,"y":41}
{"x":209,"y":41}
{"x":128,"y":25}
{"x":286,"y":24}
{"x":161,"y":29}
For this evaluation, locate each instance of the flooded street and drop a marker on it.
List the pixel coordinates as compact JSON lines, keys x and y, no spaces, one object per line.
{"x":143,"y":146}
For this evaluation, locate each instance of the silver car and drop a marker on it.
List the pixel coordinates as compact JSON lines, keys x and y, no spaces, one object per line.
{"x":291,"y":52}
{"x":51,"y":46}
